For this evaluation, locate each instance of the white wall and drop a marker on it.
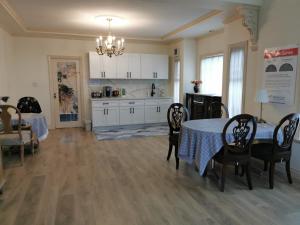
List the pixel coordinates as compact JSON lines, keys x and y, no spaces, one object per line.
{"x":29,"y":75}
{"x":6,"y":53}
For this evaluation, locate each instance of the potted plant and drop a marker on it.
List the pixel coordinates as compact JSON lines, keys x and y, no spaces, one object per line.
{"x":196,"y":85}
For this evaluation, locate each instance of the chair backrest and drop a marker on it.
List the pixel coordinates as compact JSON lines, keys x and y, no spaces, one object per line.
{"x":218,"y":110}
{"x":238,"y":134}
{"x":29,"y":105}
{"x":286,"y":129}
{"x":6,"y":117}
{"x":177,"y":113}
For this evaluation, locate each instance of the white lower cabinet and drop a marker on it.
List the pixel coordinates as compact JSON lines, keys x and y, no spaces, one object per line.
{"x":129,"y":112}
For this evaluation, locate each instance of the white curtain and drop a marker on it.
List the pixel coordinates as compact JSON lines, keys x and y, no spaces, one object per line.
{"x":176,"y":81}
{"x":236,"y":78}
{"x":212,"y":75}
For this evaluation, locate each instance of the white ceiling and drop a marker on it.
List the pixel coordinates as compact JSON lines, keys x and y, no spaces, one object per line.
{"x":144,"y":19}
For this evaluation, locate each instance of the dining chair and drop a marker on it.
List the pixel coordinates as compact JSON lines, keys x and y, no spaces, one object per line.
{"x":9,"y":136}
{"x":237,"y":136}
{"x":218,"y":110}
{"x":177,"y":113}
{"x":29,"y":105}
{"x":280,"y":148}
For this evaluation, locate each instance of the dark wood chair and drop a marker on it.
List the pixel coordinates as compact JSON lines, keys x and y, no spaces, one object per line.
{"x":218,"y":110}
{"x":278,"y":149}
{"x":177,"y":113}
{"x":29,"y":105}
{"x":238,"y":135}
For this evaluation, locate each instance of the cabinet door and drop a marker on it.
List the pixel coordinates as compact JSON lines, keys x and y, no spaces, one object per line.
{"x":161,"y":66}
{"x":138,"y":115}
{"x":112,"y":116}
{"x":125,"y":115}
{"x":147,"y":66}
{"x":110,"y":67}
{"x":151,"y":114}
{"x":163,"y":110}
{"x":98,"y":117}
{"x":134,"y":66}
{"x":94,"y":65}
{"x":122,"y":67}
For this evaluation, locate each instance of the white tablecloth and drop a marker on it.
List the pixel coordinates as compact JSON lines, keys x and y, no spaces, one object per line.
{"x":200,"y":140}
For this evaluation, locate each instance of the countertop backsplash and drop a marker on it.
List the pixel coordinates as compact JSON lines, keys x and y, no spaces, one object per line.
{"x":134,"y":88}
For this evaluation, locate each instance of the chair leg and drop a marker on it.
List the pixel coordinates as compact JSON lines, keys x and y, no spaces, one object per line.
{"x":223,"y":174}
{"x":170,"y":151}
{"x":22,"y":154}
{"x":271,"y":174}
{"x":248,"y":175}
{"x":236,"y":170}
{"x":176,"y":157}
{"x":288,"y":171}
{"x":205,"y":171}
{"x":265,"y":165}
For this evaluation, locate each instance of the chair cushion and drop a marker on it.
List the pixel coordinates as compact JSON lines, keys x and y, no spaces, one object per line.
{"x":261,"y":150}
{"x":14,"y":139}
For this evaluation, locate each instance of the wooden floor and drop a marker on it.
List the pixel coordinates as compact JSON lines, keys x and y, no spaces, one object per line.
{"x":77,"y":180}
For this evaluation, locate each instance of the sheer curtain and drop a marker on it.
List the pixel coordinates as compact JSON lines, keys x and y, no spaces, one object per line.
{"x":176,"y":87}
{"x":236,"y":78}
{"x":212,"y":75}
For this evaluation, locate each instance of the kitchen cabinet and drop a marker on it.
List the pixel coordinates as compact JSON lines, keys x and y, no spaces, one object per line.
{"x":105,"y":113}
{"x":102,"y":66}
{"x":129,"y":66}
{"x":129,"y":111}
{"x":154,"y":66}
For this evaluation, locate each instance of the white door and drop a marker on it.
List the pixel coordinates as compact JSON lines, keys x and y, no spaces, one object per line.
{"x":138,"y":115}
{"x":110,"y":67}
{"x":122,"y":67}
{"x":94,"y":65}
{"x":125,"y":115}
{"x":151,"y":114}
{"x":65,"y":91}
{"x":112,"y":116}
{"x":147,"y":66}
{"x":98,"y":117}
{"x":134,"y":66}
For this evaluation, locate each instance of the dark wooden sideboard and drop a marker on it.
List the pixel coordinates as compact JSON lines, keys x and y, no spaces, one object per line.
{"x":198,"y":105}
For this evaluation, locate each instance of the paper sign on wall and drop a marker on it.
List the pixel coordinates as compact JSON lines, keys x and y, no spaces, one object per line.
{"x":280,"y":73}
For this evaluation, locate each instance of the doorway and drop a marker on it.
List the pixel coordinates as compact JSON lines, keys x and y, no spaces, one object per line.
{"x":65,"y":91}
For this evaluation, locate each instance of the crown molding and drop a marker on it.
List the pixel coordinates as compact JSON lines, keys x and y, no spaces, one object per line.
{"x":197,"y":21}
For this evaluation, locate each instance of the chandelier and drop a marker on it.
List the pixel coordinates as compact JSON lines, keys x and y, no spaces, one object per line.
{"x":110,"y":46}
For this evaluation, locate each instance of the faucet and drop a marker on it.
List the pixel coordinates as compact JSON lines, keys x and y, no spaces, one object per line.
{"x":153,"y":90}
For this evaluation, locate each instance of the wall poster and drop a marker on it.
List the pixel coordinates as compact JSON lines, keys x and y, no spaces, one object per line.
{"x":280,"y":74}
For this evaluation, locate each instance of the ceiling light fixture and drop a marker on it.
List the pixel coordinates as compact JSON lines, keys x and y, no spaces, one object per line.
{"x":110,"y":46}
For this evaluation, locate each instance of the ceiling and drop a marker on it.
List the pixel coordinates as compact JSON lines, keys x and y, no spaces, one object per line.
{"x":142,"y":19}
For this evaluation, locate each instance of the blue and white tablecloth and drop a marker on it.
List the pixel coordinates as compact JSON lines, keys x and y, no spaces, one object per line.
{"x":200,"y":140}
{"x":38,"y":123}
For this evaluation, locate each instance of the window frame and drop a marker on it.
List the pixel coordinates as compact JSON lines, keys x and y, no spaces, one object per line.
{"x":201,"y":57}
{"x":244,"y":45}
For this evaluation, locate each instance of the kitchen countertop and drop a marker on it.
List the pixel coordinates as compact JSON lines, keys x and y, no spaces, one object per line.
{"x":127,"y":98}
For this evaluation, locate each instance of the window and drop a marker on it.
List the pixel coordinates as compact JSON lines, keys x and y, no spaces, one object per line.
{"x":176,"y":87}
{"x":212,"y":75}
{"x":236,"y":81}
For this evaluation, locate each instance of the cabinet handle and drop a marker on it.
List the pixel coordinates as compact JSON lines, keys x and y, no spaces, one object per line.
{"x":153,"y":75}
{"x":156,"y":74}
{"x":130,"y":110}
{"x":104,"y":74}
{"x":106,"y":111}
{"x":130,"y":74}
{"x":159,"y":108}
{"x":133,"y":110}
{"x":127,"y":74}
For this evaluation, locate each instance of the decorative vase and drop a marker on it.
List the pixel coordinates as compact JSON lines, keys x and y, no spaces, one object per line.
{"x":196,"y":88}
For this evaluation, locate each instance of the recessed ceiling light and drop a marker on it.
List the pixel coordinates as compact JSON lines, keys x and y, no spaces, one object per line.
{"x":116,"y":21}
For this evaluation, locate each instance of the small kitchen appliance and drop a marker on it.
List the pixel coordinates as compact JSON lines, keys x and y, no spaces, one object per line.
{"x":107,"y":90}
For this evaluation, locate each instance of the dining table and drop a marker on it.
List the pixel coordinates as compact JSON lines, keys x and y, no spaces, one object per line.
{"x":37,"y":121}
{"x":201,"y":139}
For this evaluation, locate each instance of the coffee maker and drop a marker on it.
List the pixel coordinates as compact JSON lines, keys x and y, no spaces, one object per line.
{"x":107,"y":91}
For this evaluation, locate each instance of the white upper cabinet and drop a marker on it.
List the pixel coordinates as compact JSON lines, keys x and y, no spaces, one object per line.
{"x":154,"y":66}
{"x":129,"y":66}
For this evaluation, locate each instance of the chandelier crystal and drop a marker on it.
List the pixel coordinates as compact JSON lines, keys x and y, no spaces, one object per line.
{"x":110,"y":46}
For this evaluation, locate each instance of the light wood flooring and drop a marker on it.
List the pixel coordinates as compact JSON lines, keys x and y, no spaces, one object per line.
{"x":77,"y":180}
